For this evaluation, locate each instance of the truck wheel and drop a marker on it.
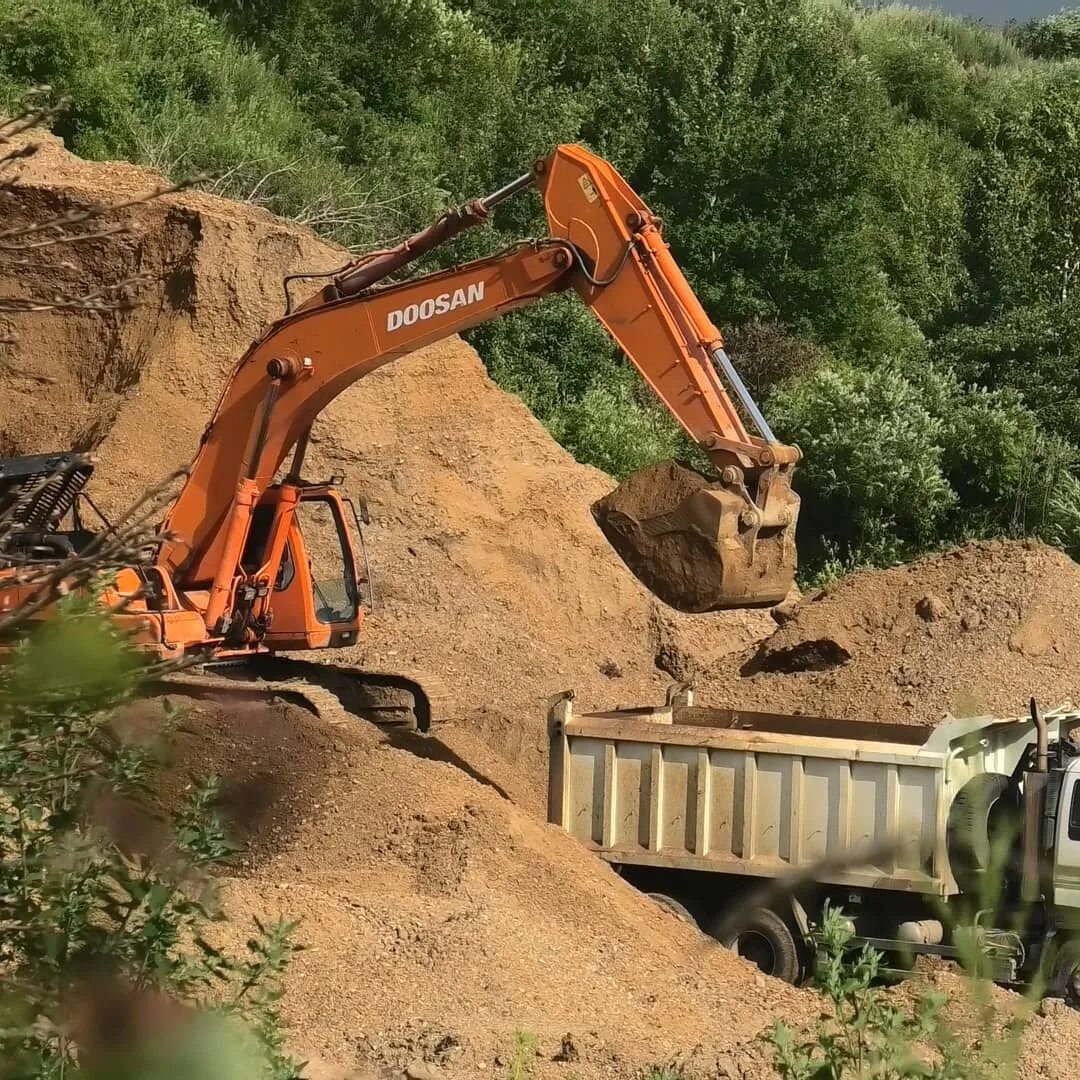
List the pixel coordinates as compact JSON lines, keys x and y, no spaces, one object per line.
{"x":764,"y":939}
{"x":672,"y":905}
{"x":1070,"y":986}
{"x":983,"y":809}
{"x":1065,"y":978}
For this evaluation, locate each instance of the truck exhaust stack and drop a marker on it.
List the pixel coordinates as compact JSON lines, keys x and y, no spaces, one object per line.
{"x":1035,"y":784}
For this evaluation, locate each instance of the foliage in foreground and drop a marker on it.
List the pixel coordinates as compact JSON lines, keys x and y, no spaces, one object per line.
{"x":104,"y":967}
{"x":864,"y":1032}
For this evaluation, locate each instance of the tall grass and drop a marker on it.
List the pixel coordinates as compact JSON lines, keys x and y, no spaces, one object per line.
{"x":160,"y":82}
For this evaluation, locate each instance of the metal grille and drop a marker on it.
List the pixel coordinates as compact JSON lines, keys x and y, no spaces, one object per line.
{"x":37,"y":491}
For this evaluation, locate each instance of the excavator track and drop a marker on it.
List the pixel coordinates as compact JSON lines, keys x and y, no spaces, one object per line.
{"x":337,"y":694}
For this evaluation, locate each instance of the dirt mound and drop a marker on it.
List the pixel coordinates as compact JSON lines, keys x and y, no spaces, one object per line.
{"x":440,"y":919}
{"x":978,"y":629}
{"x":488,"y":566}
{"x":980,"y":1017}
{"x":440,"y":915}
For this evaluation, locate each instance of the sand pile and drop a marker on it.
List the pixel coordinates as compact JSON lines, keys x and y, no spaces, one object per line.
{"x":975,"y":630}
{"x":441,"y":916}
{"x":439,"y":919}
{"x":979,"y":1018}
{"x":489,"y":567}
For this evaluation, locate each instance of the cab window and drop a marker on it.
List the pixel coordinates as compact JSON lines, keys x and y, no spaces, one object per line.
{"x":333,"y":576}
{"x":1074,"y":813}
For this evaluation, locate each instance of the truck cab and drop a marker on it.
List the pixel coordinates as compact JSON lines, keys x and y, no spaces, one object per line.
{"x":1062,"y":836}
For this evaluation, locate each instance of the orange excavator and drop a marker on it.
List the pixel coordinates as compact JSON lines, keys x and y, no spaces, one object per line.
{"x":260,"y":562}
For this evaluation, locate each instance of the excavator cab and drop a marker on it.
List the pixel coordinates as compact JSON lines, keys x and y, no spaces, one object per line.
{"x":312,"y":583}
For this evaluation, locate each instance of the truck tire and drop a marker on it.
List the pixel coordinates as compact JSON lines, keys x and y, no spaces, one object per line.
{"x":764,"y":939}
{"x":985,"y":806}
{"x":1065,"y":974}
{"x":672,"y":904}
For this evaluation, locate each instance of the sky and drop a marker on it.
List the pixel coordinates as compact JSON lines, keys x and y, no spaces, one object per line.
{"x":998,"y":11}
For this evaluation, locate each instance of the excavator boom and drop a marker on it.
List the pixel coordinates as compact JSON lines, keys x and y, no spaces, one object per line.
{"x":699,"y":545}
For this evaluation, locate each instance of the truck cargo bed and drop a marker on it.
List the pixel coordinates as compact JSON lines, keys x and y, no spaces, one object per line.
{"x":765,"y":794}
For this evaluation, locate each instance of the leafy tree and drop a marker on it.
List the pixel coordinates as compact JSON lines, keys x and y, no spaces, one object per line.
{"x":887,"y":183}
{"x":1056,"y":37}
{"x":1026,"y":194}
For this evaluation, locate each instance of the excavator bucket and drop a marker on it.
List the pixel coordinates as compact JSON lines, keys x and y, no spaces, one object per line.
{"x":700,"y":545}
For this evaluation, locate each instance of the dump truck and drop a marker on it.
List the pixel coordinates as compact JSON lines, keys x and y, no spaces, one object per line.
{"x":932,"y":840}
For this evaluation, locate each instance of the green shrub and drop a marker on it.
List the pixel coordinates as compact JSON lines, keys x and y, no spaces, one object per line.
{"x":873,"y":457}
{"x":96,"y":923}
{"x":894,"y":462}
{"x":616,"y":429}
{"x":1056,"y":37}
{"x":864,"y":1033}
{"x":159,"y":82}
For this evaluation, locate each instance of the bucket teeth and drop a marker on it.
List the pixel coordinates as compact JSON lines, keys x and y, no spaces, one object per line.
{"x":702,"y":546}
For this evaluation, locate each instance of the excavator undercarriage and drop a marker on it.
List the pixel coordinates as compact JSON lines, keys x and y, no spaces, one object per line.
{"x":336,"y":693}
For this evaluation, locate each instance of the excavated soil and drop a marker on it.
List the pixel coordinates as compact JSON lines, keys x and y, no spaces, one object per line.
{"x":669,"y":563}
{"x":979,"y":1017}
{"x":440,"y":913}
{"x":667,"y":522}
{"x":976,"y":630}
{"x":439,"y":919}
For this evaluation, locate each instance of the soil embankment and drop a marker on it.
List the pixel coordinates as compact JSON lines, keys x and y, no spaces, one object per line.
{"x":976,"y":630}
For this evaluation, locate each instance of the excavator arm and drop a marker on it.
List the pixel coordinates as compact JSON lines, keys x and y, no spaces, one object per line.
{"x":605,"y":244}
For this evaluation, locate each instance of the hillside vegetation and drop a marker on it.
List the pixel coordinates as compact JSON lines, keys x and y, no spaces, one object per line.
{"x":881,"y":209}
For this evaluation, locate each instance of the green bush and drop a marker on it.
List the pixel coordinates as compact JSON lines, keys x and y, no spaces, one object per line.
{"x":98,"y":924}
{"x":1056,"y":37}
{"x":896,"y":462}
{"x":864,"y":1033}
{"x":159,"y":82}
{"x":872,"y":474}
{"x":615,"y":428}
